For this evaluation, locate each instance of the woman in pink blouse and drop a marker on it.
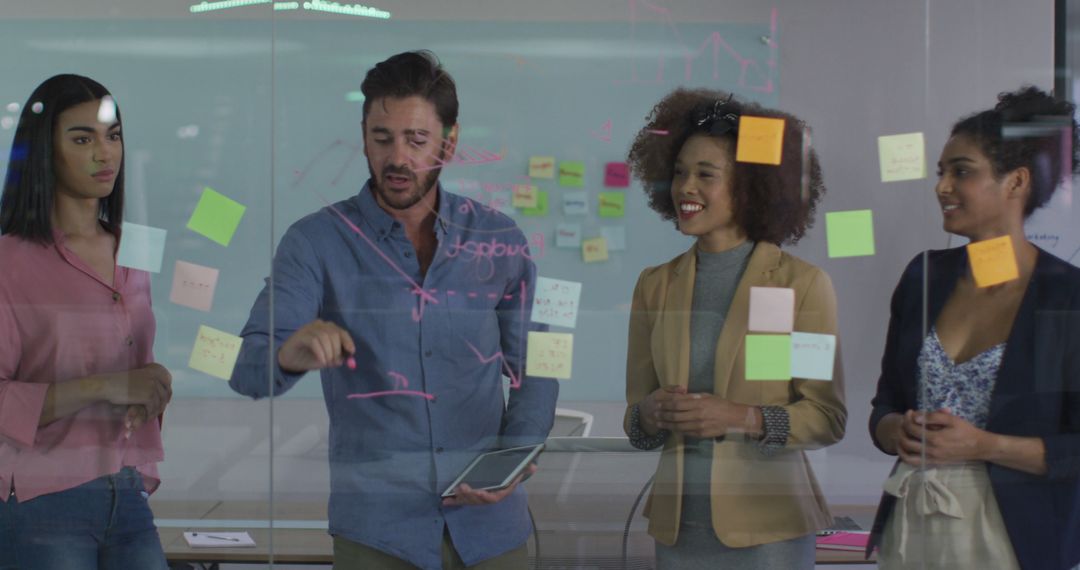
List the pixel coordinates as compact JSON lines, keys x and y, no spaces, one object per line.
{"x":80,"y":393}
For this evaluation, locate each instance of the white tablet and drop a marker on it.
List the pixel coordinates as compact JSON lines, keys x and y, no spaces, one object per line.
{"x":496,"y":469}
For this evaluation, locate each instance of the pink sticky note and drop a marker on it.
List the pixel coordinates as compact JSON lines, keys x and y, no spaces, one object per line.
{"x":772,"y":309}
{"x":193,"y":285}
{"x":616,"y":175}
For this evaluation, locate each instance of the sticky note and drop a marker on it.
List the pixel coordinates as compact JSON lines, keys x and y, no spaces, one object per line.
{"x":850,"y":233}
{"x":903,"y":157}
{"x":993,"y":261}
{"x":572,"y":173}
{"x":616,"y":175}
{"x":768,"y":357}
{"x":193,"y":285}
{"x":549,"y":355}
{"x":615,"y":236}
{"x":542,"y":167}
{"x":541,"y":208}
{"x":215,"y":352}
{"x":141,"y":247}
{"x":568,"y":236}
{"x":594,"y":250}
{"x":772,"y":309}
{"x":556,"y":302}
{"x":575,"y":203}
{"x":525,"y":196}
{"x":812,"y":355}
{"x":216,"y":216}
{"x":761,"y":140}
{"x":612,"y":204}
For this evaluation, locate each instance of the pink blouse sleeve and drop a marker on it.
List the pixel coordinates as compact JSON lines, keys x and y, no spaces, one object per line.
{"x":20,"y":402}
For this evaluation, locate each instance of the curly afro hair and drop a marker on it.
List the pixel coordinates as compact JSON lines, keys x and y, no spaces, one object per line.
{"x":774,"y":204}
{"x":1027,"y":128}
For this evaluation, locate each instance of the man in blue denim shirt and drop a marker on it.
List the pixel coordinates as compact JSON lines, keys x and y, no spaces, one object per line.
{"x":413,"y":303}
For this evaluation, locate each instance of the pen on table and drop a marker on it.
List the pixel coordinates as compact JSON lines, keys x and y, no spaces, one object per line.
{"x":216,"y":537}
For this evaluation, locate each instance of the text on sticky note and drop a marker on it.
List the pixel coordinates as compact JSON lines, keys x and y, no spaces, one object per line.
{"x":556,"y":302}
{"x":594,"y":250}
{"x":902,"y":157}
{"x":524,"y":196}
{"x":549,"y":355}
{"x":813,"y":355}
{"x":542,"y":167}
{"x":616,"y":175}
{"x":193,"y":285}
{"x":993,"y":261}
{"x":572,"y":173}
{"x":215,"y":352}
{"x":612,"y":204}
{"x":761,"y":140}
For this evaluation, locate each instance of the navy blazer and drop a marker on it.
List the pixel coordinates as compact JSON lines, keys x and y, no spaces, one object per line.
{"x":1037,"y":394}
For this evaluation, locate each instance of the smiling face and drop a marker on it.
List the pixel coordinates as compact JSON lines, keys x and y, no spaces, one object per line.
{"x":87,"y":151}
{"x":405,"y":149}
{"x":701,"y":190}
{"x":975,"y":204}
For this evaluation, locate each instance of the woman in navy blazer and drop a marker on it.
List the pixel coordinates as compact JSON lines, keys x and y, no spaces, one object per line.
{"x":988,"y":473}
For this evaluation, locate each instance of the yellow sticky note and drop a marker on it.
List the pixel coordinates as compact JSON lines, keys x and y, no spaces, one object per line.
{"x":524,"y":196}
{"x":761,"y":140}
{"x":541,"y":208}
{"x":215,"y":352}
{"x":612,"y":204}
{"x":542,"y":167}
{"x":594,"y":249}
{"x":993,"y":261}
{"x":549,"y":355}
{"x":903,"y":157}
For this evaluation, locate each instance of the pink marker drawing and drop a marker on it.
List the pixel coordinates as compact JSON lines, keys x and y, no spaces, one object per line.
{"x":400,"y":382}
{"x":515,"y":379}
{"x":605,"y":132}
{"x":466,"y":155}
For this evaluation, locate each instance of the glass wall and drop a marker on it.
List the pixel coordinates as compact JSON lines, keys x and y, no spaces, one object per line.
{"x":540,"y":297}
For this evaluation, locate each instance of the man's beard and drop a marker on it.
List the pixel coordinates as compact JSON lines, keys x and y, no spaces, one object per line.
{"x":407,"y":200}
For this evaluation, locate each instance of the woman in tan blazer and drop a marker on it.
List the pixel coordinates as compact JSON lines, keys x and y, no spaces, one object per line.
{"x":733,"y":488}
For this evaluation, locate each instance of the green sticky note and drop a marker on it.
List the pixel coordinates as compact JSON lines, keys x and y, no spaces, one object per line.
{"x":850,"y":234}
{"x":216,"y":216}
{"x":612,"y":205}
{"x":541,"y":208}
{"x":768,"y":357}
{"x":572,"y":173}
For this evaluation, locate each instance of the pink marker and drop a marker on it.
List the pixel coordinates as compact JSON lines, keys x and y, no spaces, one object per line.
{"x":351,"y":363}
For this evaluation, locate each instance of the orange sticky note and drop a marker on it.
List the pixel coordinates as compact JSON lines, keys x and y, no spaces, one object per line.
{"x":761,"y":140}
{"x":549,"y":355}
{"x":993,"y":261}
{"x":594,"y":249}
{"x":542,"y":167}
{"x":524,"y":196}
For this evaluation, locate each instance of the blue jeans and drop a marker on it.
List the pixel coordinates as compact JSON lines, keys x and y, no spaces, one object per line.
{"x":105,"y":524}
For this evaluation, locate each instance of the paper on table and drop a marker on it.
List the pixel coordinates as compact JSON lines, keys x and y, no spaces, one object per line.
{"x":141,"y":247}
{"x":216,"y":216}
{"x":549,"y":355}
{"x":556,"y":302}
{"x":812,"y":355}
{"x":215,"y":539}
{"x":993,"y":261}
{"x":772,"y":309}
{"x":761,"y":140}
{"x":193,"y":285}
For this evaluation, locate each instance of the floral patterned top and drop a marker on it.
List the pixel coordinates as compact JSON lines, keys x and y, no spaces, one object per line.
{"x":964,"y":388}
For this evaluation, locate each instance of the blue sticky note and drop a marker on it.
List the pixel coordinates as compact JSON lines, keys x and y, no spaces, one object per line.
{"x":813,"y":355}
{"x":141,"y":247}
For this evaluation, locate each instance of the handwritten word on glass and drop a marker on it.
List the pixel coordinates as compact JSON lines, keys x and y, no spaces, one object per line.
{"x":525,"y":196}
{"x":616,"y":175}
{"x":768,"y":357}
{"x":556,"y":302}
{"x":761,"y":140}
{"x":550,"y":355}
{"x":612,"y":204}
{"x":850,"y":234}
{"x":215,"y":352}
{"x":542,"y":167}
{"x":193,"y":285}
{"x":594,"y":250}
{"x":216,"y":216}
{"x":568,"y":236}
{"x":772,"y":309}
{"x":812,"y":355}
{"x":903,"y":157}
{"x":141,"y":247}
{"x":993,"y":261}
{"x":541,"y":208}
{"x":572,"y":173}
{"x":575,"y":203}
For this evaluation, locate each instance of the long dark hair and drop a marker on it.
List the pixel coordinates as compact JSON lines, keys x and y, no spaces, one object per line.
{"x":30,"y":185}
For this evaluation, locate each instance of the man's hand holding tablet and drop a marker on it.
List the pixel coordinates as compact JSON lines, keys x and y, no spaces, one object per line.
{"x":494,"y":476}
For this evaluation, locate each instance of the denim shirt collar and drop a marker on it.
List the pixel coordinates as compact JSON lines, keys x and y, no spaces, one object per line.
{"x":383,"y":223}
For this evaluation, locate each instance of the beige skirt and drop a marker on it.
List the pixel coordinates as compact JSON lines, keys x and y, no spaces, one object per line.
{"x":945,"y":517}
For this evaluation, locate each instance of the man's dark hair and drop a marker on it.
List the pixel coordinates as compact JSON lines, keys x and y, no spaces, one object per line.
{"x":30,"y":185}
{"x":413,"y":73}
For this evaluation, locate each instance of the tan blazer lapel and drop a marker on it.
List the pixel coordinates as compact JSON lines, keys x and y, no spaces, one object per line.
{"x":676,"y":327}
{"x":763,"y":260}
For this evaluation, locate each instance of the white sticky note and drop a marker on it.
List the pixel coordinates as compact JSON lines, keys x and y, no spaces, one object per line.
{"x":575,"y":203}
{"x":812,"y":355}
{"x":141,"y":247}
{"x":772,"y":309}
{"x":556,"y":302}
{"x":193,"y":285}
{"x":549,"y":355}
{"x":615,"y":236}
{"x":568,"y":236}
